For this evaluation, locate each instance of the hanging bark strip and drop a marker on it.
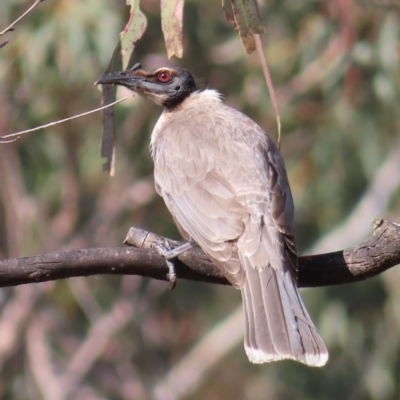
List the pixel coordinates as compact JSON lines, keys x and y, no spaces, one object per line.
{"x":132,"y":32}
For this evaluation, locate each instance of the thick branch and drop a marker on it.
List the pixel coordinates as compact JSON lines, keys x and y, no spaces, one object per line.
{"x":368,"y":259}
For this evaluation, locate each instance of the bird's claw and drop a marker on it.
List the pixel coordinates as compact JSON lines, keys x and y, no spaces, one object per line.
{"x":164,"y":250}
{"x":169,"y":252}
{"x":171,"y":274}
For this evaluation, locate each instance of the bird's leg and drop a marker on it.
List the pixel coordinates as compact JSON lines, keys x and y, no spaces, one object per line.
{"x":169,"y":253}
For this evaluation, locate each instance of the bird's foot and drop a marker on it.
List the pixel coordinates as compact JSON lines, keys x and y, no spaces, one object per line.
{"x":169,"y":253}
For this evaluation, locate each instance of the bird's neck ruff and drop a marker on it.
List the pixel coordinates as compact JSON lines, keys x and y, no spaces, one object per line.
{"x":200,"y":96}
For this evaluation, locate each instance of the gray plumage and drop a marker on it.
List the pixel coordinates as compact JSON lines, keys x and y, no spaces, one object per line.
{"x":225,"y":184}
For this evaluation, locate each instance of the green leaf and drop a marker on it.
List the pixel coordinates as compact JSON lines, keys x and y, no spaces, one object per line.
{"x":253,"y":16}
{"x":227,"y":9}
{"x":172,"y":24}
{"x":242,"y":26}
{"x":247,"y":21}
{"x":133,"y":31}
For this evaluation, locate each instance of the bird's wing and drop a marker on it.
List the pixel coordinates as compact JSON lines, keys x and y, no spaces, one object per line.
{"x":269,"y":235}
{"x":201,"y":201}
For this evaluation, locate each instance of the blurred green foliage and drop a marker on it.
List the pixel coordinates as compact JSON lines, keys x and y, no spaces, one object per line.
{"x":336,"y":70}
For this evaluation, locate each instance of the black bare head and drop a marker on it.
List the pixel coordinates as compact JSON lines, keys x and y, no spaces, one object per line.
{"x":164,"y":86}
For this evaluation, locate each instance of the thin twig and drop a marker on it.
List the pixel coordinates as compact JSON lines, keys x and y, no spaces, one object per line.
{"x":5,"y":141}
{"x":11,"y":26}
{"x":17,"y":135}
{"x":263,"y":61}
{"x":4,"y":43}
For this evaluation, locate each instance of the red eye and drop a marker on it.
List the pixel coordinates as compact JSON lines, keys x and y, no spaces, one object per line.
{"x":164,"y":76}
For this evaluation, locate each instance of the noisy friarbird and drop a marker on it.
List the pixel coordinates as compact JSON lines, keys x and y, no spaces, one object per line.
{"x":225,"y":184}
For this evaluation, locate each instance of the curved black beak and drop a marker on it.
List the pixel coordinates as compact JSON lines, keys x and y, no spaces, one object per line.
{"x":117,"y":78}
{"x":124,"y":78}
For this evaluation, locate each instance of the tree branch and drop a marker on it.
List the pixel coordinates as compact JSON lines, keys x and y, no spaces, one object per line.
{"x":374,"y":256}
{"x":11,"y":27}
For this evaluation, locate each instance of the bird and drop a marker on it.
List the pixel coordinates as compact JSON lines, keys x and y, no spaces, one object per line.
{"x":225,"y":184}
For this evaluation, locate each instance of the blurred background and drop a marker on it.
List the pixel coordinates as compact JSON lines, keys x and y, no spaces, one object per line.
{"x":336,"y":69}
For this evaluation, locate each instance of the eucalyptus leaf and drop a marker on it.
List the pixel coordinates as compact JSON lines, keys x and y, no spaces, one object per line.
{"x":172,"y":25}
{"x":247,"y":20}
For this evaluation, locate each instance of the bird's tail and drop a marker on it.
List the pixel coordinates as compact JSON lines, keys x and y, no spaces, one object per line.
{"x":278,"y":326}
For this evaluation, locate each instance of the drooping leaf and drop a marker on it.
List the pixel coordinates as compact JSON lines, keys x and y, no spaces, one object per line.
{"x":242,"y":26}
{"x":253,"y":16}
{"x":172,"y":25}
{"x":227,"y":9}
{"x":133,"y":31}
{"x":247,"y":21}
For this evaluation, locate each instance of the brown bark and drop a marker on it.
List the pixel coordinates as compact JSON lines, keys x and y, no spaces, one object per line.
{"x":374,"y":256}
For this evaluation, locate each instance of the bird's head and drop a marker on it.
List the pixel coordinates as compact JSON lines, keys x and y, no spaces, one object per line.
{"x":165,"y":86}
